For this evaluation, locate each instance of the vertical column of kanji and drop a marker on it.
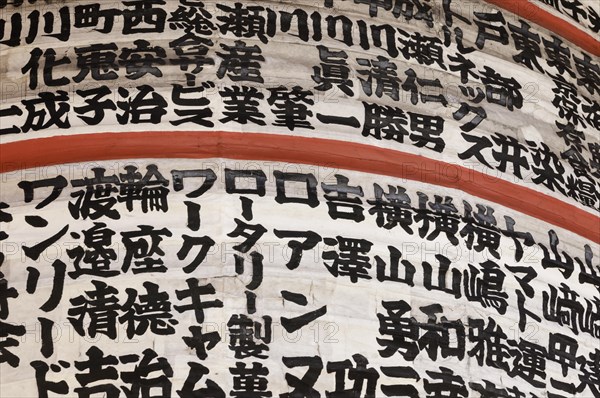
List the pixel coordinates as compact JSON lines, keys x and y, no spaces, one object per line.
{"x":307,"y":241}
{"x":49,"y":109}
{"x":200,"y":341}
{"x":248,"y":337}
{"x":197,"y":27}
{"x":9,"y":331}
{"x":241,"y":63}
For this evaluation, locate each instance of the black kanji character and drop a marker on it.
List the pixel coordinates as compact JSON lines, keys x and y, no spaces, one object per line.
{"x":564,"y":262}
{"x":479,"y":144}
{"x":151,"y":310}
{"x":192,"y":16}
{"x":447,"y":283}
{"x":99,"y":368}
{"x":426,"y":131}
{"x":394,"y":210}
{"x":559,"y":56}
{"x":566,"y":100}
{"x":7,"y":331}
{"x":489,"y":344}
{"x":490,"y":27}
{"x":241,"y":105}
{"x":395,"y":256}
{"x":250,"y":382}
{"x":517,"y":236}
{"x":383,"y":73}
{"x":291,"y":108}
{"x":590,"y":372}
{"x":449,"y":385}
{"x":446,"y":336}
{"x":150,"y":189}
{"x":481,"y":225}
{"x":410,"y":84}
{"x":443,"y":214}
{"x":16,"y":27}
{"x":296,"y":323}
{"x":341,"y":201}
{"x":501,"y":90}
{"x":562,"y":349}
{"x":404,"y":331}
{"x":144,"y":16}
{"x":50,"y":62}
{"x":589,"y":73}
{"x":243,"y":21}
{"x":143,"y":380}
{"x":458,"y":38}
{"x":589,"y":273}
{"x":147,"y":106}
{"x":94,"y":106}
{"x":241,"y":62}
{"x":241,"y":229}
{"x":6,"y":112}
{"x":141,"y":60}
{"x":88,"y":16}
{"x":189,"y":242}
{"x":245,"y":336}
{"x":490,"y":390}
{"x":101,"y":305}
{"x":100,"y":60}
{"x":231,"y":182}
{"x":487,"y":289}
{"x":591,"y":112}
{"x":426,"y":50}
{"x":257,"y":268}
{"x":464,"y":66}
{"x":528,"y":43}
{"x":286,"y":18}
{"x":191,"y":50}
{"x":53,"y":105}
{"x":400,"y":390}
{"x":142,"y":246}
{"x":529,"y":362}
{"x":549,"y":171}
{"x":384,"y":122}
{"x":525,"y":312}
{"x":352,"y":259}
{"x":449,"y":14}
{"x":374,"y":5}
{"x":333,"y":70}
{"x":58,"y":283}
{"x":5,"y":294}
{"x":57,"y":183}
{"x":414,"y":9}
{"x":96,"y":259}
{"x":360,"y":375}
{"x":96,"y":201}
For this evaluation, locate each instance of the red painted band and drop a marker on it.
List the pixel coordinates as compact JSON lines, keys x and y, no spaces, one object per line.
{"x":568,"y":31}
{"x":314,"y":151}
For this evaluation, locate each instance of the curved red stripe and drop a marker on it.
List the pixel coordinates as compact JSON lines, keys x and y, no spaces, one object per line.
{"x":568,"y":31}
{"x":315,"y":151}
